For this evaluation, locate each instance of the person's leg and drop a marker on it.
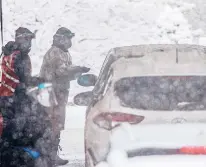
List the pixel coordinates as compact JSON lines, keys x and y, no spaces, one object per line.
{"x":59,"y":119}
{"x":59,"y":124}
{"x":44,"y":162}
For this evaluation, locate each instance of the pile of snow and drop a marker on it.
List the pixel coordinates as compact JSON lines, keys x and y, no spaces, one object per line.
{"x":172,"y":28}
{"x":116,"y":158}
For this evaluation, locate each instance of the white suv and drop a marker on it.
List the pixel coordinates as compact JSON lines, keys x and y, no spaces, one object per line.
{"x":148,"y":106}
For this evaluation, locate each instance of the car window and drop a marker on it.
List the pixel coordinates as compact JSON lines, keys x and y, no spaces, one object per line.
{"x":103,"y":76}
{"x":162,"y":92}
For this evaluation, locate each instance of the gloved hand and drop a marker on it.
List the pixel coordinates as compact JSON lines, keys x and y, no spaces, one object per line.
{"x":76,"y":71}
{"x":77,"y":75}
{"x":85,"y":69}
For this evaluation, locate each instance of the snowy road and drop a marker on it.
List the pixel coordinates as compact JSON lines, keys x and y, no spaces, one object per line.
{"x":76,"y":164}
{"x":72,"y":138}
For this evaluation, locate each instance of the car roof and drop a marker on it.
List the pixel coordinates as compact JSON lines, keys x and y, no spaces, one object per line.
{"x":173,"y":55}
{"x":141,"y":67}
{"x":142,"y":50}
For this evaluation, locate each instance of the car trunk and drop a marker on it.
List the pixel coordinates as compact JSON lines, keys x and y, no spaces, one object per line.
{"x":171,"y":112}
{"x":160,"y":144}
{"x":158,"y":139}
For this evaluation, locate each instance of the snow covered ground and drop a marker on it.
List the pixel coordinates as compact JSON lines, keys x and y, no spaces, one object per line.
{"x":72,"y":137}
{"x":99,"y":26}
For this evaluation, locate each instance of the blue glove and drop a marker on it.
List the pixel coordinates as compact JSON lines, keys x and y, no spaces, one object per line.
{"x":85,"y":69}
{"x":33,"y":154}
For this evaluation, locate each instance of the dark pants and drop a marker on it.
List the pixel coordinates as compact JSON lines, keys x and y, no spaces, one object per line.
{"x":14,"y":157}
{"x":59,"y":111}
{"x":24,"y":125}
{"x":57,"y":115}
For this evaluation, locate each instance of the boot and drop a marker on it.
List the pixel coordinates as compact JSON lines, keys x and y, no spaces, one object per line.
{"x":60,"y":161}
{"x":56,"y":147}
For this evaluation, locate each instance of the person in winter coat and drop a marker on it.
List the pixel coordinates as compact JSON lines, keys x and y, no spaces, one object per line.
{"x":57,"y":68}
{"x":15,"y":67}
{"x":24,"y":124}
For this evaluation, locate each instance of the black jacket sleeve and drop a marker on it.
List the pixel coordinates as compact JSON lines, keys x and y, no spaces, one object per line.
{"x":22,"y":67}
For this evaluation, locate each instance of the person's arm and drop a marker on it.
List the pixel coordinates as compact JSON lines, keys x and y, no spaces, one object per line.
{"x":29,"y":79}
{"x":23,"y":71}
{"x":63,"y":69}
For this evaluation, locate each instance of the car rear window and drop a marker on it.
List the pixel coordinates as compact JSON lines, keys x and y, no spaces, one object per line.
{"x":162,"y":92}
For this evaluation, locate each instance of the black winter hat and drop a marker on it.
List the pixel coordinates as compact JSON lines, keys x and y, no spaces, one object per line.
{"x":24,"y":32}
{"x":65,"y":32}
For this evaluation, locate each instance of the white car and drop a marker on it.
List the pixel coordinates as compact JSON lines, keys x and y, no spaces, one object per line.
{"x":148,"y":108}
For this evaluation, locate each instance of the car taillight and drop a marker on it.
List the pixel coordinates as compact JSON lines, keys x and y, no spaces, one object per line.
{"x":110,"y":120}
{"x":193,"y":150}
{"x":185,"y":150}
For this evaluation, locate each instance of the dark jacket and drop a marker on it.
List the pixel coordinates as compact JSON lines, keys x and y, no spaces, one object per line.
{"x":28,"y":127}
{"x":22,"y":66}
{"x":26,"y":122}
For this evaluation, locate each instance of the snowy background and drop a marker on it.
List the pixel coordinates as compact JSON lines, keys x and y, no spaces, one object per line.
{"x":99,"y":26}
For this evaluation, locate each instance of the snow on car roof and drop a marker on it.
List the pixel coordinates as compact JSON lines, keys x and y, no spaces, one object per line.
{"x":143,"y":67}
{"x":141,"y":50}
{"x":182,"y":54}
{"x":171,"y":59}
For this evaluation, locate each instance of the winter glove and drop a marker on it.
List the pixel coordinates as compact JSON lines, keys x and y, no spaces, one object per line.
{"x":77,"y":75}
{"x":84,"y":69}
{"x":76,"y":71}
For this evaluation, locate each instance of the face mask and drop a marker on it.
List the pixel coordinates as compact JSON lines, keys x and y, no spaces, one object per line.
{"x":66,"y":42}
{"x":24,"y":44}
{"x":25,"y":47}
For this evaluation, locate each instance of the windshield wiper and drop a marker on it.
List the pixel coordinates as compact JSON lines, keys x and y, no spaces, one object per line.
{"x":152,"y":151}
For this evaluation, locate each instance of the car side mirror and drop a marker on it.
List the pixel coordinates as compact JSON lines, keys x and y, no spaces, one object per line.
{"x":83,"y":99}
{"x":87,"y":80}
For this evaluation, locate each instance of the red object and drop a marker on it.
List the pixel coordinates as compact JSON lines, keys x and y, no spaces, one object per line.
{"x":8,"y":79}
{"x":193,"y":150}
{"x":110,"y":120}
{"x":1,"y":124}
